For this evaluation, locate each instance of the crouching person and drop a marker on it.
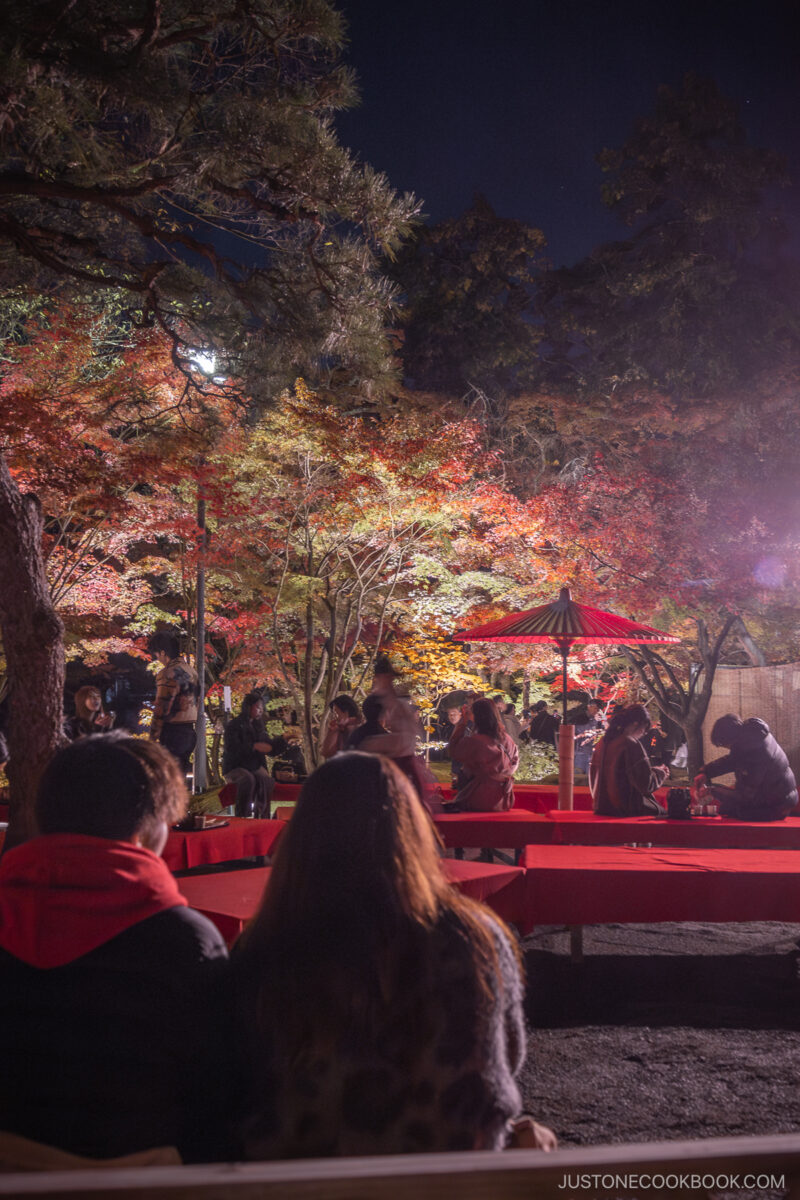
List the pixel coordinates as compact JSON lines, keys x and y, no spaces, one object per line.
{"x":107,"y":979}
{"x":765,"y":788}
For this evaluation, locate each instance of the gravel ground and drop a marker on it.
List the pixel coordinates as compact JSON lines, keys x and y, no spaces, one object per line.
{"x":664,"y":1032}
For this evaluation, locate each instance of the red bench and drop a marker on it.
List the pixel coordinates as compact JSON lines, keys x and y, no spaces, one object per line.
{"x":513,"y":829}
{"x":229,"y":899}
{"x":518,"y":827}
{"x":597,"y":885}
{"x":541,"y":797}
{"x":533,"y":797}
{"x":587,"y":829}
{"x":240,"y":838}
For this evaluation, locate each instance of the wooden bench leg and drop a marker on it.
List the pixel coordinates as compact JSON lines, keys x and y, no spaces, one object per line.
{"x":575,"y":943}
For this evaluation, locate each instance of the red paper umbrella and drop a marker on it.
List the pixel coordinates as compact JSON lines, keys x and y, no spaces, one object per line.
{"x":565,"y":623}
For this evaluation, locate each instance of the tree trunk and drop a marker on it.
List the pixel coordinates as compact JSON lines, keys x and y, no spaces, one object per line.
{"x":693,"y":728}
{"x":32,"y":640}
{"x":751,"y":649}
{"x":309,"y":746}
{"x":199,"y":764}
{"x":687,"y":707}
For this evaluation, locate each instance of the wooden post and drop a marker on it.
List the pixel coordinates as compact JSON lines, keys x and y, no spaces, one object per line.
{"x":575,"y":943}
{"x":566,"y":765}
{"x":199,"y":772}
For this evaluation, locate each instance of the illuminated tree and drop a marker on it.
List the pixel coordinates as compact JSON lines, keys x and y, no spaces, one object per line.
{"x":432,"y":666}
{"x":332,"y":522}
{"x":183,"y":156}
{"x":99,"y":433}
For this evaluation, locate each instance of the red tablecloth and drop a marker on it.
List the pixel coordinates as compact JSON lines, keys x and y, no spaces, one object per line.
{"x":286,"y":793}
{"x":499,"y":887}
{"x":230,"y":898}
{"x":588,"y":885}
{"x":541,"y":797}
{"x":240,"y":838}
{"x":512,"y":829}
{"x":586,"y":829}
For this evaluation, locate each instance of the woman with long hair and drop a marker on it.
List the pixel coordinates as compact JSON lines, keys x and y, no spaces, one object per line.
{"x":621,"y":777}
{"x":488,"y":758}
{"x":382,"y":1010}
{"x":89,"y":716}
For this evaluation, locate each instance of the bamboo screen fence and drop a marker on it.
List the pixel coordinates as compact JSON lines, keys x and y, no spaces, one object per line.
{"x":772,"y":693}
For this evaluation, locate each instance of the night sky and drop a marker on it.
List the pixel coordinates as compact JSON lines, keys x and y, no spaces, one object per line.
{"x":514,"y":99}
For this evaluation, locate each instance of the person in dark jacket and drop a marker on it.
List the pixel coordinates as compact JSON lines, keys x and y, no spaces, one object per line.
{"x":587,"y":733}
{"x":544,"y":726}
{"x":765,"y":787}
{"x":107,"y":979}
{"x":621,"y":777}
{"x":245,"y":746}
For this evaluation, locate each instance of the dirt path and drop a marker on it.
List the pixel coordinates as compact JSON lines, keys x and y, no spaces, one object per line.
{"x":664,"y":1032}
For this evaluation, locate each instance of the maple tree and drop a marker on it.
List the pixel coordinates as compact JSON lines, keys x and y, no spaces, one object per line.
{"x":432,"y":666}
{"x":183,"y":156}
{"x":337,"y":526}
{"x":98,"y":434}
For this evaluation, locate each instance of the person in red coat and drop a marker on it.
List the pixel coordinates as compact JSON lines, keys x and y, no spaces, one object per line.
{"x":489,"y":758}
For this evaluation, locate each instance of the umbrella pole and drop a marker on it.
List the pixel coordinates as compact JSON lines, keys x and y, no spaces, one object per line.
{"x":566,"y":747}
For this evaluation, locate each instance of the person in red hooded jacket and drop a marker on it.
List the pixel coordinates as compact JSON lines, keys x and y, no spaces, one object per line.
{"x":106,"y":977}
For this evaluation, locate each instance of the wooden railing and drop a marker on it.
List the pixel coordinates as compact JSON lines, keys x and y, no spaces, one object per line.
{"x":687,"y":1169}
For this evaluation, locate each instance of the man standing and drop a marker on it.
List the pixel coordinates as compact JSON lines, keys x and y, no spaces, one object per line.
{"x":177,"y":698}
{"x":543,"y":726}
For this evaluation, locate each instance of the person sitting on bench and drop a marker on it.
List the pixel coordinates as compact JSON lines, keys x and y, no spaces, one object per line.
{"x":489,"y":758}
{"x":377,"y":1010}
{"x":765,"y":787}
{"x":621,"y":777}
{"x":246,"y":744}
{"x":107,"y":978}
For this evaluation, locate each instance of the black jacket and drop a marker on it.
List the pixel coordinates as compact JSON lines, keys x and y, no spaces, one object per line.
{"x":543,"y":728}
{"x":115,"y":1051}
{"x":763,"y":776}
{"x":238,"y":741}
